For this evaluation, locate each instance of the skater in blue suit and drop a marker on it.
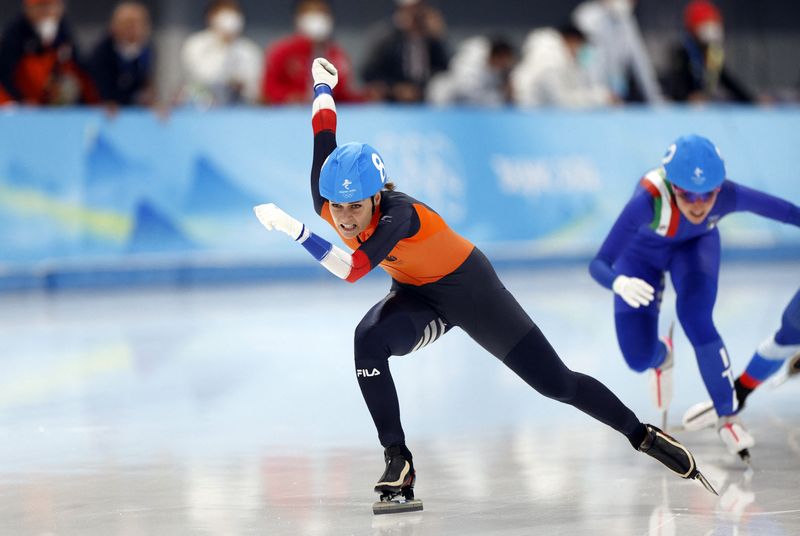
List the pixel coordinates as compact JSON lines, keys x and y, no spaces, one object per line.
{"x":670,"y":225}
{"x":769,"y":357}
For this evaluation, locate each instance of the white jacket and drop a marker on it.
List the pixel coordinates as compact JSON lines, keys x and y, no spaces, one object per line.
{"x":614,"y":33}
{"x":548,"y":75}
{"x":212,"y":66}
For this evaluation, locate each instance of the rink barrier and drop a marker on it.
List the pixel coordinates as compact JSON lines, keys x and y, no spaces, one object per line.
{"x":87,"y":201}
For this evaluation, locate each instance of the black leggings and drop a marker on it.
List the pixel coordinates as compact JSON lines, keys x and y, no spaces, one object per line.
{"x":472,"y":298}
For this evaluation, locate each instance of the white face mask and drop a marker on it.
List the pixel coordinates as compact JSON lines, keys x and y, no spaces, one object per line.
{"x":130,"y":51}
{"x":228,"y":23}
{"x":710,"y":33}
{"x":315,"y":26}
{"x":47,"y":29}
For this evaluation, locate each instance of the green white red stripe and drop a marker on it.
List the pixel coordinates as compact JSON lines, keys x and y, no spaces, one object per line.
{"x":665,"y":212}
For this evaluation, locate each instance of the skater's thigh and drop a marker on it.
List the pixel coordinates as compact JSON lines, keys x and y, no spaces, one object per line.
{"x":694,"y":270}
{"x":637,"y":335}
{"x":789,"y":332}
{"x":495,"y":320}
{"x":400,"y":322}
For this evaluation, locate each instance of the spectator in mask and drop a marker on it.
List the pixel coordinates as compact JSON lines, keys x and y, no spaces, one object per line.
{"x":550,"y":72}
{"x":405,"y":57}
{"x":286,"y":72}
{"x":221,"y":67}
{"x":39,"y":63}
{"x":620,"y":60}
{"x":697,"y":71}
{"x":478,"y":74}
{"x":122,"y":62}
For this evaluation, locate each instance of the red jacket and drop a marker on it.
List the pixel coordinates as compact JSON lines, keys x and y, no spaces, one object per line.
{"x":32,"y":73}
{"x":287,"y":73}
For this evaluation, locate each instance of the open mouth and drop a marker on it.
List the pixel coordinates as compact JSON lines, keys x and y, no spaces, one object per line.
{"x":348,"y":228}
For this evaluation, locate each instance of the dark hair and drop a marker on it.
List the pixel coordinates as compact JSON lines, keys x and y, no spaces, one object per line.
{"x":570,"y":30}
{"x":214,"y":5}
{"x":390,"y":186}
{"x":297,"y":4}
{"x":500,"y":46}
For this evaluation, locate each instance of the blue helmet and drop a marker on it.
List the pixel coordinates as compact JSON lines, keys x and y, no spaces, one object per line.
{"x":352,"y":172}
{"x":695,"y":164}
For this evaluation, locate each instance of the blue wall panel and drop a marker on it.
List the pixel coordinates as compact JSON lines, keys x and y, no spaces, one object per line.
{"x":83,"y":194}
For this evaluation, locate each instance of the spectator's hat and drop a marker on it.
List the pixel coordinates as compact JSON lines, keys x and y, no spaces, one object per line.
{"x":699,"y":12}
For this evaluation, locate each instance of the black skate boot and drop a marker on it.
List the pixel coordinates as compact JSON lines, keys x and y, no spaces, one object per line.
{"x":675,"y":456}
{"x":396,"y":484}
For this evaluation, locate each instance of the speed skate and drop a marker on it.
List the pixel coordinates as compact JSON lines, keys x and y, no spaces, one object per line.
{"x":396,"y":484}
{"x":397,"y":502}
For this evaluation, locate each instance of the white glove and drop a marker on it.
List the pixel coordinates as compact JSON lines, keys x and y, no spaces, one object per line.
{"x":272,"y":217}
{"x":636,"y":292}
{"x":324,"y":72}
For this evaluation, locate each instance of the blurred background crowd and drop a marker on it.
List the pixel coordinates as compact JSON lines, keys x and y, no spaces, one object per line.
{"x":237,"y":52}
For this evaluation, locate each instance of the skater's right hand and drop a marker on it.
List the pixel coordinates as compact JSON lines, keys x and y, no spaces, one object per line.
{"x":273,"y":218}
{"x":636,"y":292}
{"x":324,"y":72}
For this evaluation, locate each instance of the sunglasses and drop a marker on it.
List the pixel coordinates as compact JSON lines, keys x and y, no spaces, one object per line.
{"x":692,"y":197}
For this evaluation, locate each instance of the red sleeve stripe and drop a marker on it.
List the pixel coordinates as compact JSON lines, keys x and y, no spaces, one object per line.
{"x":323,"y":113}
{"x":324,"y":120}
{"x":361,"y":266}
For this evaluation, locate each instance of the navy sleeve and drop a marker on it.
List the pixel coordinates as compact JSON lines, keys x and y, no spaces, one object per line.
{"x":398,"y":222}
{"x":323,"y":121}
{"x":638,"y":212}
{"x":766,"y":205}
{"x":324,"y":144}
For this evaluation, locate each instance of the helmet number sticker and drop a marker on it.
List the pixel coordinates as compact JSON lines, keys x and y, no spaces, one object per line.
{"x":378,"y":163}
{"x":670,"y":154}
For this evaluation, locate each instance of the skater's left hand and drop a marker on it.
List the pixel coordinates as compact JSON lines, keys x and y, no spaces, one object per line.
{"x":273,"y":217}
{"x":324,"y":72}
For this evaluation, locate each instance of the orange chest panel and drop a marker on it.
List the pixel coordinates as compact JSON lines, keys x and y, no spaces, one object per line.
{"x":432,"y":253}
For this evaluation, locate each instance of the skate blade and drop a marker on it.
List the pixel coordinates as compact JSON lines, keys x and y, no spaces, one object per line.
{"x":706,"y":484}
{"x":396,"y":507}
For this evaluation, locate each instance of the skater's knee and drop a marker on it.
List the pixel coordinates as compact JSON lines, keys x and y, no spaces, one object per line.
{"x":370,"y":340}
{"x":638,"y":363}
{"x":562,"y":390}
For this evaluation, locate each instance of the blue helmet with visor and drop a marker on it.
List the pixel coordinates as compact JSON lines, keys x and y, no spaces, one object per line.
{"x":694,"y":164}
{"x":352,"y":172}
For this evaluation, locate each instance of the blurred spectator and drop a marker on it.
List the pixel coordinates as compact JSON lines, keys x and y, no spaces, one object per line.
{"x":478,"y":74}
{"x":697,"y":72}
{"x":287,"y":76}
{"x":403,"y":60}
{"x":221,"y":66}
{"x":550,"y":74}
{"x":122,"y":62}
{"x":620,"y":60}
{"x":38,"y":59}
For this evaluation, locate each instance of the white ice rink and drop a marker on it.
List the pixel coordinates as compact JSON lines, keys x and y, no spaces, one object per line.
{"x":236,"y":411}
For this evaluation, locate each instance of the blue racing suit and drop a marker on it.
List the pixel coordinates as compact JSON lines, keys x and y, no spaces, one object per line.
{"x":652,"y":237}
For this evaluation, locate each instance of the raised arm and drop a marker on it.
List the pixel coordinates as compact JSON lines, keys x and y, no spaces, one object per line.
{"x":323,"y":121}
